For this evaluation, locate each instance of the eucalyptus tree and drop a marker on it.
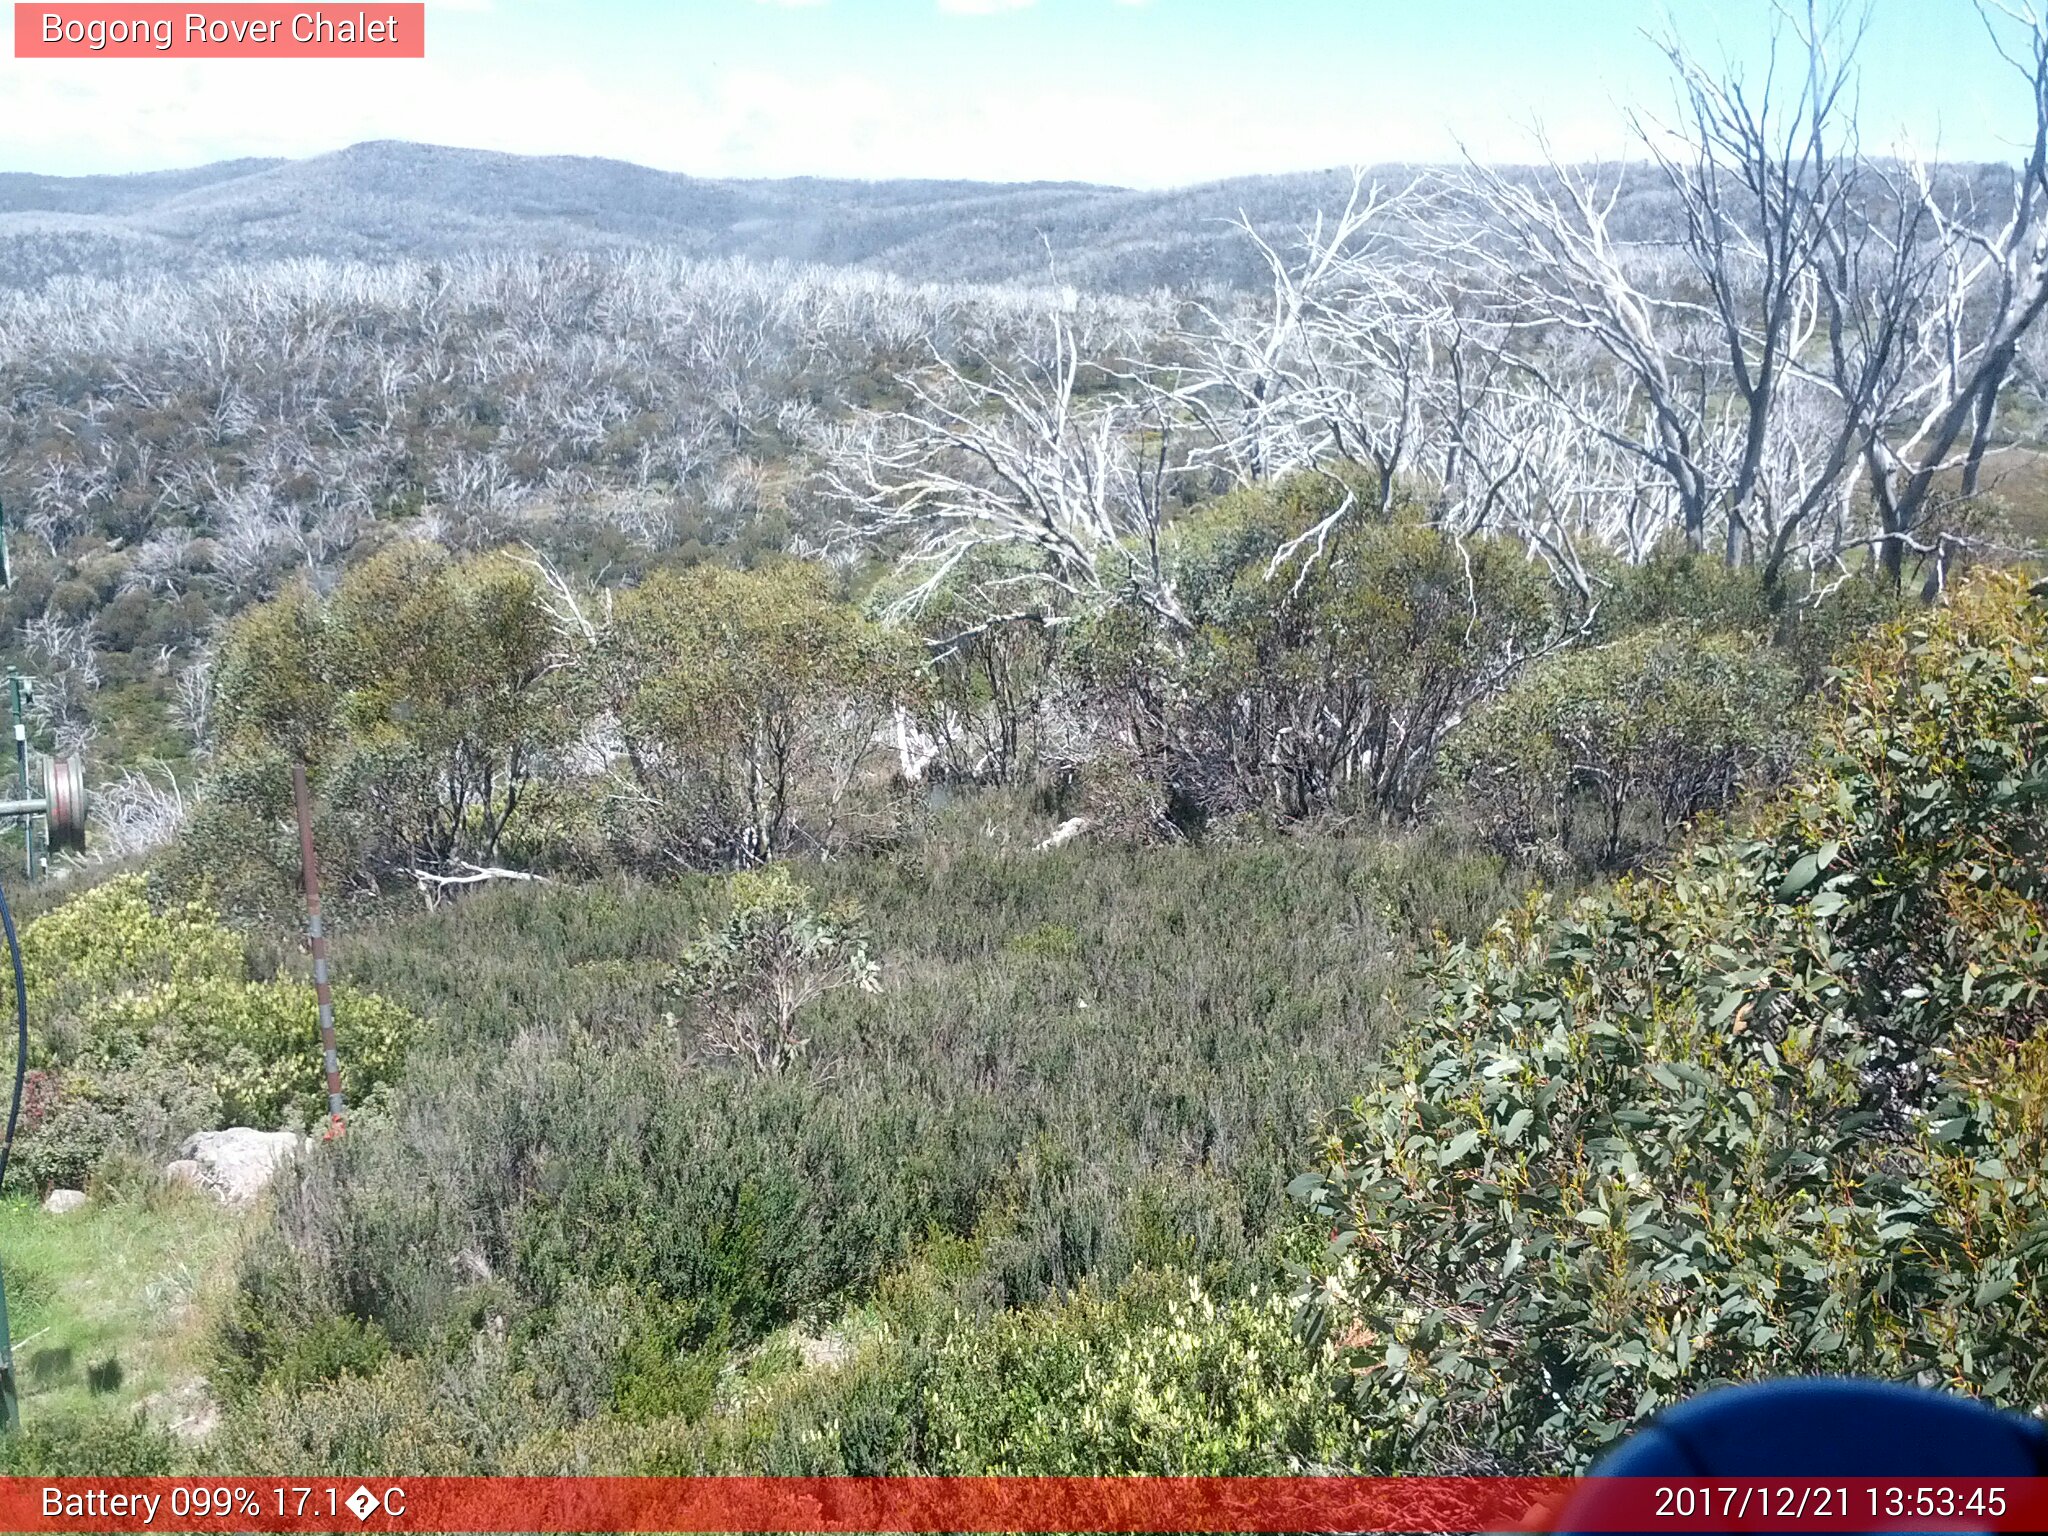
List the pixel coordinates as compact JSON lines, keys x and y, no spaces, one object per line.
{"x":426,"y":696}
{"x":747,"y":707}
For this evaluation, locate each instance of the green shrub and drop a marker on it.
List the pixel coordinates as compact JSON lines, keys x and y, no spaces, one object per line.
{"x":239,"y":850}
{"x":774,"y":954}
{"x":257,"y":1043}
{"x":1652,"y":729}
{"x":413,"y":1418}
{"x":97,"y":1112}
{"x":1777,"y":1111}
{"x":1086,"y":1061}
{"x":332,"y":1347}
{"x":424,"y":697}
{"x":1163,"y":1379}
{"x":745,"y":1202}
{"x":1812,"y":625}
{"x":1330,"y":675}
{"x":749,"y":703}
{"x":1821,"y":635}
{"x":576,"y":1350}
{"x":151,"y":1029}
{"x":114,"y":940}
{"x":1437,"y":882}
{"x":866,"y":1418}
{"x":989,"y":695}
{"x":1678,"y":586}
{"x":1050,"y":941}
{"x":97,"y":1444}
{"x":662,"y":1377}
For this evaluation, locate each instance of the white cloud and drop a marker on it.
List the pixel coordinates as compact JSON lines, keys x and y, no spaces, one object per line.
{"x":533,"y":77}
{"x":71,"y":116}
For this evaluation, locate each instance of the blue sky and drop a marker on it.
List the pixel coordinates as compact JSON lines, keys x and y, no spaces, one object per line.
{"x":1140,"y":92}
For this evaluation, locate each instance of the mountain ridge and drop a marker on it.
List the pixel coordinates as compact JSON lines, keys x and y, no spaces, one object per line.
{"x":388,"y":198}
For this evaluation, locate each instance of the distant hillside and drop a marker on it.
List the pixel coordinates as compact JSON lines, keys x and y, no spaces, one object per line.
{"x":396,"y":199}
{"x":392,"y":199}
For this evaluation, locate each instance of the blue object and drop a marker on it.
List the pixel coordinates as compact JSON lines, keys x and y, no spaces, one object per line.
{"x":1824,"y":1427}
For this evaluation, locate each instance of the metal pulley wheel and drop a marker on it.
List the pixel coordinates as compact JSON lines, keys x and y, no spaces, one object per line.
{"x":64,"y":789}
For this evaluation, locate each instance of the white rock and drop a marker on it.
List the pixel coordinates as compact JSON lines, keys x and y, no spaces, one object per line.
{"x":823,"y":1352}
{"x":61,"y":1202}
{"x":185,"y":1172}
{"x":237,"y":1164}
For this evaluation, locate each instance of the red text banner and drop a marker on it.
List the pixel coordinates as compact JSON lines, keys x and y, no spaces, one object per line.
{"x":222,"y":31}
{"x":1021,"y":1504}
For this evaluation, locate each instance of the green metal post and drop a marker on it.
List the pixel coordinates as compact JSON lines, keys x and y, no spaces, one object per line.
{"x":10,"y":1399}
{"x":28,"y":826}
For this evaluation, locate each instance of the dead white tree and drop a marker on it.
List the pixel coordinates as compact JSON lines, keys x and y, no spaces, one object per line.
{"x":1563,"y":293}
{"x":139,"y":812}
{"x":1337,"y":363}
{"x":192,"y":700}
{"x":1835,"y":334}
{"x":1764,"y":174}
{"x":1529,"y":466}
{"x":1039,"y":461}
{"x":1979,"y":299}
{"x":65,"y":657}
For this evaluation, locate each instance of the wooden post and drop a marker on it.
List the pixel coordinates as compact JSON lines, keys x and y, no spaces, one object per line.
{"x":318,"y":940}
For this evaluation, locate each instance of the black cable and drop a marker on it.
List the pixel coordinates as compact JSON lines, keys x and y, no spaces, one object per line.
{"x":21,"y":1020}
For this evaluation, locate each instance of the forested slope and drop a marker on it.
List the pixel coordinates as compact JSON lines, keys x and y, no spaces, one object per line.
{"x":1385,"y":870}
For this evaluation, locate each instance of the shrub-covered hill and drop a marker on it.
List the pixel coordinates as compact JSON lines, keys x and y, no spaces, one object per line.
{"x":1775,"y":1106}
{"x":1780,"y":1109}
{"x":1776,"y":1109}
{"x":1081,"y":1065}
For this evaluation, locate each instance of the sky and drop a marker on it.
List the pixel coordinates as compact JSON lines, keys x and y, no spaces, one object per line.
{"x":1135,"y":92}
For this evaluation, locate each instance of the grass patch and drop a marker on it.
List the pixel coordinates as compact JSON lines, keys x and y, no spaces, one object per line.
{"x":107,"y":1303}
